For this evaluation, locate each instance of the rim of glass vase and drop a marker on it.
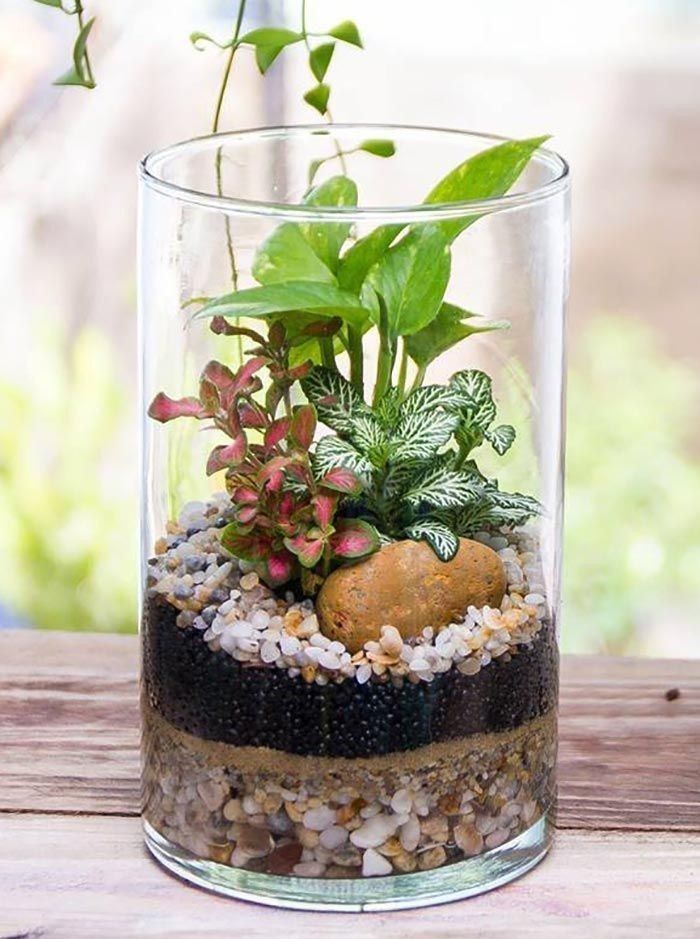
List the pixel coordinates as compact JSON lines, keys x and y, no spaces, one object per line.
{"x":154,"y":161}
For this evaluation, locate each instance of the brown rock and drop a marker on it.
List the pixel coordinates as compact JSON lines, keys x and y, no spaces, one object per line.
{"x":407,"y":586}
{"x":283,"y":859}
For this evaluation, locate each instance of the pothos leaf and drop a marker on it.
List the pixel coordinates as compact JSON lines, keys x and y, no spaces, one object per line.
{"x":485,"y":175}
{"x":303,"y":295}
{"x":357,"y":260}
{"x":446,"y":330}
{"x":286,"y":255}
{"x":327,"y":238}
{"x":501,"y":438}
{"x":441,"y":539}
{"x":77,"y":75}
{"x":412,"y":277}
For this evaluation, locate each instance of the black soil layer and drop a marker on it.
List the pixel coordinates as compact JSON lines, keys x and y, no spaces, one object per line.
{"x":211,"y":695}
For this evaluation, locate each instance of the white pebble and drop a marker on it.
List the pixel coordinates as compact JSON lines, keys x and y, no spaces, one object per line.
{"x":374,"y":865}
{"x":364,"y":673}
{"x":402,"y":801}
{"x":269,"y":652}
{"x":319,"y":819}
{"x":259,"y":619}
{"x":289,"y":644}
{"x":329,"y":660}
{"x":374,"y":831}
{"x":333,"y":837}
{"x":534,"y":598}
{"x":241,"y":630}
{"x":309,"y":869}
{"x":409,"y":835}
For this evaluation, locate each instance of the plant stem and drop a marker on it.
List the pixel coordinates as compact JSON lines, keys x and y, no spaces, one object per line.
{"x":325,"y":344}
{"x":214,"y":129}
{"x":387,"y":355}
{"x":418,"y":380}
{"x":403,"y":369}
{"x":356,"y":354}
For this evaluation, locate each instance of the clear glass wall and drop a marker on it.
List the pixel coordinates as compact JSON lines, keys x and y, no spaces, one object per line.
{"x":352,"y":375}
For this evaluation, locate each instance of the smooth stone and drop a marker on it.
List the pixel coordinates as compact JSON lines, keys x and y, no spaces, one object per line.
{"x":374,"y":865}
{"x":407,"y":586}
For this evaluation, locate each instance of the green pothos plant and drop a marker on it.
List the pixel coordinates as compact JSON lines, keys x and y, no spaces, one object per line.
{"x":398,"y":459}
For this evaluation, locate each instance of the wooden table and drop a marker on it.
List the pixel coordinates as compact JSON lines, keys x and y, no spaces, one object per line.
{"x":626,"y":861}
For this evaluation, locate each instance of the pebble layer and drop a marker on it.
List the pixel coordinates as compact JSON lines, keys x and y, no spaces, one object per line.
{"x":233,"y":611}
{"x":275,"y":813}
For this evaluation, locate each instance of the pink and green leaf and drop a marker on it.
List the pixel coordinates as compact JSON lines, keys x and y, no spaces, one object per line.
{"x":342,"y":480}
{"x":353,"y":538}
{"x":303,"y":426}
{"x":248,"y":546}
{"x":308,"y":551}
{"x":279,"y":568}
{"x":324,"y":506}
{"x":165,"y":409}
{"x":245,"y":495}
{"x":276,"y":432}
{"x":227,"y":455}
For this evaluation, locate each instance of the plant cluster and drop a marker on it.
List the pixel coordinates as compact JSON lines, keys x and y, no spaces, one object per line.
{"x":413,"y":456}
{"x":401,"y":466}
{"x":284,"y":513}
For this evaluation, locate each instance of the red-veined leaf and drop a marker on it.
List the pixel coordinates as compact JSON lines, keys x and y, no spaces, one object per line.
{"x":324,"y":508}
{"x":218,"y":374}
{"x":165,"y":409}
{"x":300,"y":371}
{"x":342,"y":480}
{"x":249,"y":547}
{"x":227,"y":455}
{"x":279,"y":568}
{"x":287,"y":504}
{"x":276,"y":432}
{"x":245,"y":495}
{"x":251,"y":414}
{"x":222,"y":327}
{"x":303,"y":426}
{"x":353,"y":538}
{"x":246,"y":514}
{"x":209,"y":396}
{"x":244,"y":374}
{"x":308,"y":551}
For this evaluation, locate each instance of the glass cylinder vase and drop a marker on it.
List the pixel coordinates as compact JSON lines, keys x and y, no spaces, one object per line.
{"x":352,"y":347}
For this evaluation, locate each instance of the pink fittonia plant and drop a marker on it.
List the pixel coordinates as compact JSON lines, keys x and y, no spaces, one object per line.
{"x":286,"y":519}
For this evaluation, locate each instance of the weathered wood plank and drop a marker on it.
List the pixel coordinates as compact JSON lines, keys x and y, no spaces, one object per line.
{"x":68,"y":733}
{"x":79,"y":878}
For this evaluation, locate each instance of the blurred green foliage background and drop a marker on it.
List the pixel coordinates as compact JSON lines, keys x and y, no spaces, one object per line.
{"x":632,"y":512}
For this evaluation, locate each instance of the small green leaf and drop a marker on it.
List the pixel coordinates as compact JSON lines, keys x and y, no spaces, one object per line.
{"x":346,"y":31}
{"x":51,"y":3}
{"x":327,"y":238}
{"x":380,"y":148}
{"x":286,"y":255}
{"x":303,"y":296}
{"x":197,"y":38}
{"x":320,"y":59}
{"x":364,"y":254}
{"x":501,"y":438}
{"x":270,"y":36}
{"x":412,"y":277}
{"x":77,"y":74}
{"x":485,"y":175}
{"x":446,"y":330}
{"x":441,"y":539}
{"x":265,"y":56}
{"x":318,"y":97}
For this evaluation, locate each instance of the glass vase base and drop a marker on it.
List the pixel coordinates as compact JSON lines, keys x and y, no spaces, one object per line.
{"x":396,"y":892}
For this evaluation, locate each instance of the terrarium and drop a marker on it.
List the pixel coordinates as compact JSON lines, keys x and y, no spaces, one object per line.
{"x":352,"y":361}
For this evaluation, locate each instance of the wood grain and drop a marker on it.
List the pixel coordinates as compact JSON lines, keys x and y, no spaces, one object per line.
{"x":69,"y":734}
{"x":89,"y":877}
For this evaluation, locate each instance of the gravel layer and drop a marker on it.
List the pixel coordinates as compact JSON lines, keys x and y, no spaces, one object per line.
{"x":311,"y":817}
